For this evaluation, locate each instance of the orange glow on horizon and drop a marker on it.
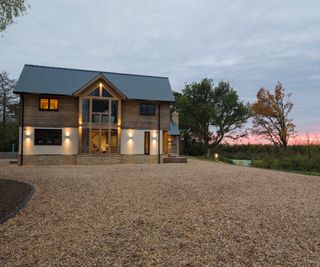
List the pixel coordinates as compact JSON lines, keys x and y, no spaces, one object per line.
{"x":299,"y":139}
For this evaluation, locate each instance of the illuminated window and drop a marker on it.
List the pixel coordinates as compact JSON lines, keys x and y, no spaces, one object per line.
{"x":49,"y":104}
{"x":54,"y":104}
{"x":147,"y":143}
{"x":44,"y":103}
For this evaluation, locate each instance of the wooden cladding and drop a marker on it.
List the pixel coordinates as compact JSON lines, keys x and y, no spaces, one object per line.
{"x":66,"y":116}
{"x":131,"y":118}
{"x":68,"y":113}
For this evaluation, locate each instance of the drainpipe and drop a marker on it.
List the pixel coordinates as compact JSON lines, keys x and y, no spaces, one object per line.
{"x":159,"y":156}
{"x":22,"y":128}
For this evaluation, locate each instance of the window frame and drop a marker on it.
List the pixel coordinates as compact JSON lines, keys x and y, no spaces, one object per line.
{"x":49,"y":98}
{"x":51,"y":129}
{"x":147,"y":113}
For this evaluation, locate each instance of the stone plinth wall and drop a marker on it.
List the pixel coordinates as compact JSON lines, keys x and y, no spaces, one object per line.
{"x":87,"y":159}
{"x":48,"y":160}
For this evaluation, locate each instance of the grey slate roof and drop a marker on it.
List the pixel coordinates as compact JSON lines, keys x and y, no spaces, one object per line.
{"x":63,"y":81}
{"x":173,"y":128}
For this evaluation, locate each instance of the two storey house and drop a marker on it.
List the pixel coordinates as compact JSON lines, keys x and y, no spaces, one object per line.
{"x":71,"y":116}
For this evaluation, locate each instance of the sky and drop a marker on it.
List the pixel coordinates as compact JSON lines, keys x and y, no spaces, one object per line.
{"x":248,"y":43}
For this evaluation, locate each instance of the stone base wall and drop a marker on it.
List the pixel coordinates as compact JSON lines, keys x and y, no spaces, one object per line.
{"x":98,"y":160}
{"x":87,"y":159}
{"x":48,"y":160}
{"x":140,"y":159}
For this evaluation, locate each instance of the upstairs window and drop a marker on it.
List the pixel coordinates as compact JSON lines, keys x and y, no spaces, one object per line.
{"x":147,"y":109}
{"x":46,"y":103}
{"x":47,"y":137}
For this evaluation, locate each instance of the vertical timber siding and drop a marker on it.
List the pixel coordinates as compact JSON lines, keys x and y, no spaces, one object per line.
{"x":131,"y":118}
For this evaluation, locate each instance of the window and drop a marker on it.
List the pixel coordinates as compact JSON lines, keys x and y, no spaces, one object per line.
{"x":147,"y":109}
{"x":103,"y":92}
{"x":100,"y":111}
{"x":48,"y":137}
{"x":114,"y":111}
{"x":46,"y":103}
{"x":147,"y":143}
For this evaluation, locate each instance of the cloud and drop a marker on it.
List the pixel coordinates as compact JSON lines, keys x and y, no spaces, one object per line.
{"x":249,"y":43}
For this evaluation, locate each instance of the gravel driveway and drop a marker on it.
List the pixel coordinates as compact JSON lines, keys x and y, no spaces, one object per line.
{"x":200,"y":213}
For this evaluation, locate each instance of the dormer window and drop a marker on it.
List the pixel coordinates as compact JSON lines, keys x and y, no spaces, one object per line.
{"x":48,"y":103}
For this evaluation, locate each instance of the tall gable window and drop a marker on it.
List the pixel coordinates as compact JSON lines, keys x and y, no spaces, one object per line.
{"x":47,"y":137}
{"x":147,"y":109}
{"x":48,"y":103}
{"x":100,"y":120}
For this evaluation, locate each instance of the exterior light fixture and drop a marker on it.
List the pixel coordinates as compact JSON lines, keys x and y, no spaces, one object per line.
{"x":216,"y":156}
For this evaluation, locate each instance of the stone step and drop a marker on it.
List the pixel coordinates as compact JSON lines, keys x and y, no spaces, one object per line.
{"x":175,"y":160}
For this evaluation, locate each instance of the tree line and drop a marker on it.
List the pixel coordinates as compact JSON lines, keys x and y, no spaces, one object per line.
{"x":9,"y":113}
{"x":210,"y":114}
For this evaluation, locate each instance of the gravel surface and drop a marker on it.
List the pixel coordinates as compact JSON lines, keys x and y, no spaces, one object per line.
{"x":194,"y":214}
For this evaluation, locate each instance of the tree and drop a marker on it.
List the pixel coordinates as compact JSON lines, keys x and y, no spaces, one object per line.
{"x":9,"y":110}
{"x":7,"y":98}
{"x":10,"y":9}
{"x":230,"y":114}
{"x":211,"y":114}
{"x":271,"y":116}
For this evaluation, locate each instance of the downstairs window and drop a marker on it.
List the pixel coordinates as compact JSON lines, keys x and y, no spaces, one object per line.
{"x":47,"y":137}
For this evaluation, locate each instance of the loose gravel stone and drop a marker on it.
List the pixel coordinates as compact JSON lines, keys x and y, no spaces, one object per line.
{"x":194,"y":214}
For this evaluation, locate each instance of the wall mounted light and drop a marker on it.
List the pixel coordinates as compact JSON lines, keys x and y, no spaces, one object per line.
{"x":28,"y":135}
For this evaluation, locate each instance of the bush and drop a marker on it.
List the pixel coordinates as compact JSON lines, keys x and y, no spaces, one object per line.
{"x":194,"y":149}
{"x":291,"y":162}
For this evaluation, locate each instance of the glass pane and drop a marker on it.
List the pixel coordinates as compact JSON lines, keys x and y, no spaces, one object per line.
{"x":101,"y":106}
{"x":85,"y":110}
{"x":94,"y":141}
{"x":85,"y":140}
{"x":104,"y":146}
{"x":44,"y":103}
{"x":105,"y":93}
{"x":54,"y":104}
{"x":95,"y":92}
{"x":48,"y":137}
{"x":114,"y":111}
{"x":114,"y":141}
{"x":151,"y":109}
{"x":105,"y":118}
{"x":95,"y":118}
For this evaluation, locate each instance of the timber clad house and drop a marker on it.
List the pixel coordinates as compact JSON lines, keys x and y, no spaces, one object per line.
{"x":71,"y":116}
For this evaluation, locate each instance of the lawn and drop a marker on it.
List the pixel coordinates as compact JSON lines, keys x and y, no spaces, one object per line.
{"x":174,"y":214}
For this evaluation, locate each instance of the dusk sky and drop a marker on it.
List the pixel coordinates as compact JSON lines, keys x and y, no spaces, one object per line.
{"x":248,"y":43}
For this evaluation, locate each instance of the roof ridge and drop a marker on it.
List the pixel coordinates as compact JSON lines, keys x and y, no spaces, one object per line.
{"x":118,"y":73}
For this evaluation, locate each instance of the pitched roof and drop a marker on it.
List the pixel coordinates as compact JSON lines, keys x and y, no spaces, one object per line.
{"x":64,"y":81}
